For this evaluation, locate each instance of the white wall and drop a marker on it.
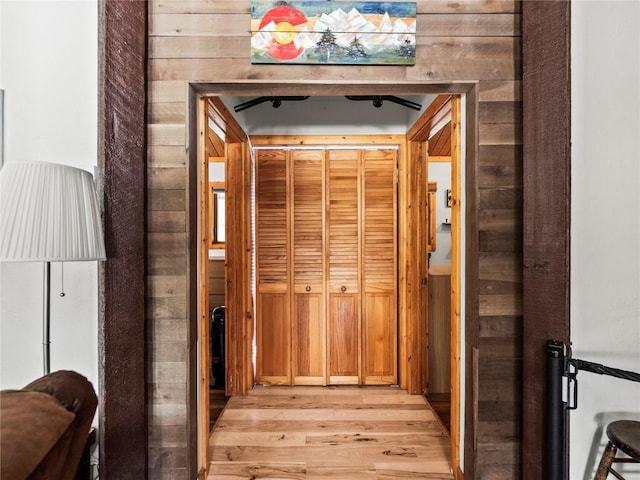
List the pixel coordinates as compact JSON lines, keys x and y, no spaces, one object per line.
{"x":441,"y":173}
{"x":48,"y":70}
{"x":605,"y":217}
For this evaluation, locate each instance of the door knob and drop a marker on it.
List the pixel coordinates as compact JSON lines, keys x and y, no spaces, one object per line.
{"x":308,"y":288}
{"x":343,"y":288}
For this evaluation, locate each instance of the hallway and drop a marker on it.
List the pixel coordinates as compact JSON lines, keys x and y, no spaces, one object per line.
{"x":328,"y":432}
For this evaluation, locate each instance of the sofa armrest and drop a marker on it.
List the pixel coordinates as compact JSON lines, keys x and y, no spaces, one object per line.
{"x":33,"y":424}
{"x":76,"y":394}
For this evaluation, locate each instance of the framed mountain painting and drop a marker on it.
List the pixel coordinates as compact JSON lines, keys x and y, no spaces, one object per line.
{"x":333,"y":32}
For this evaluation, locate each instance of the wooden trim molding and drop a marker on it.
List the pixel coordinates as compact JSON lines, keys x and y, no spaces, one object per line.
{"x":439,"y":159}
{"x":547,"y":162}
{"x":472,"y":288}
{"x":193,"y":310}
{"x":324,"y":140}
{"x":437,"y":114}
{"x":121,"y":150}
{"x":223,"y":118}
{"x":457,"y":271}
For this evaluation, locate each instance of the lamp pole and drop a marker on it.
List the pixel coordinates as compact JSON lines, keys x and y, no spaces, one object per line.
{"x":46,"y":320}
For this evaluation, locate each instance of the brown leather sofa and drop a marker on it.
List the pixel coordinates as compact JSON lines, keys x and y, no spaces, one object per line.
{"x":44,"y":427}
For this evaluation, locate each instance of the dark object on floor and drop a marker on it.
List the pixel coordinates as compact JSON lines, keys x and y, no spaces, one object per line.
{"x":217,"y":402}
{"x":624,"y":435}
{"x":217,"y":347}
{"x":45,"y":427}
{"x":441,"y":405}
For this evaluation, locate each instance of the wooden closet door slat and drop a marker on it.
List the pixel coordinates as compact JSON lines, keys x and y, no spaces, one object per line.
{"x":273,"y":325}
{"x":343,"y":282}
{"x":307,"y":235}
{"x":379,"y":277}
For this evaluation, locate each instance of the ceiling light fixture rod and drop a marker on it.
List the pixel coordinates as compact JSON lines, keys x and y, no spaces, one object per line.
{"x":379,"y":99}
{"x":275,"y":102}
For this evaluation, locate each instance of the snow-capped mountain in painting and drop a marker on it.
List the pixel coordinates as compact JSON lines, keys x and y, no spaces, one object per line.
{"x":347,"y":25}
{"x":359,"y":34}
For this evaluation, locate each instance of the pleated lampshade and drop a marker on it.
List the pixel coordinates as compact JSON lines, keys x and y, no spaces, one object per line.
{"x":48,"y":212}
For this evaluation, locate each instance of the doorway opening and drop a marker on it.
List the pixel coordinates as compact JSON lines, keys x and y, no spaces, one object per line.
{"x":413,"y":276}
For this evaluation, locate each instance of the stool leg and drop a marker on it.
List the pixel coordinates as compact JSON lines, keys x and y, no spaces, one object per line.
{"x":605,"y":462}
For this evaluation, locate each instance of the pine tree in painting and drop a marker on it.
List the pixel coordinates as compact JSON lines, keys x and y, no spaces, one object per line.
{"x":407,"y":49}
{"x":327,"y":45}
{"x":356,"y":49}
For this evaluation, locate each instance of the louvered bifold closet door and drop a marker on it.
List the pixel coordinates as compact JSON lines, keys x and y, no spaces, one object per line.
{"x":379,"y":247}
{"x":273,"y":325}
{"x":343,"y":282}
{"x":307,"y":232}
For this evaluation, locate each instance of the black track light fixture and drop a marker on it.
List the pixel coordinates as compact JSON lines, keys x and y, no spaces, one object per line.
{"x":377,"y":100}
{"x":276,"y":102}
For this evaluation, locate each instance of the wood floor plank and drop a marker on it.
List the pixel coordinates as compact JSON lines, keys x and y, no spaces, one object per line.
{"x":257,"y":439}
{"x":395,"y":474}
{"x":435,"y":467}
{"x":335,"y":401}
{"x":329,"y":433}
{"x":389,"y":439}
{"x":253,"y":470}
{"x":331,"y":426}
{"x":333,"y":454}
{"x":400,"y":397}
{"x":327,"y":414}
{"x":334,"y":472}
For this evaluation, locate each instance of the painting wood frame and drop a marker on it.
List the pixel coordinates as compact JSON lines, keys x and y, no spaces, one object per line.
{"x":343,"y":32}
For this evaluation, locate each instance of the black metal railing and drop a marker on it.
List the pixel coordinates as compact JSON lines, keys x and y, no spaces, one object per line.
{"x":562,"y":396}
{"x":556,"y":408}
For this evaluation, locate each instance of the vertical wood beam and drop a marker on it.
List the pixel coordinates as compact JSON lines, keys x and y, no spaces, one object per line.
{"x":457,"y":270}
{"x":472,"y":283}
{"x":121,"y":150}
{"x":404,"y":347}
{"x":247,"y":241}
{"x":426,"y":218}
{"x":204,"y":242}
{"x":193,"y":305}
{"x":412,"y":329}
{"x":238,"y":372}
{"x":547,"y":161}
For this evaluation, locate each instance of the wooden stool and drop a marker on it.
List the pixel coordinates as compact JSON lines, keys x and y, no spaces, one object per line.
{"x":623,"y":435}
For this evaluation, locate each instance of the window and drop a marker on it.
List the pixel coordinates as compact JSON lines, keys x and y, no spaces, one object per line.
{"x":217,"y":209}
{"x":217,"y":203}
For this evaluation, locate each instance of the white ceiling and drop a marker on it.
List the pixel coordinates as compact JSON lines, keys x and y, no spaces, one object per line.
{"x":327,"y":115}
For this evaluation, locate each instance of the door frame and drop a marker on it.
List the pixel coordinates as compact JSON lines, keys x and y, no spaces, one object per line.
{"x":417,"y":140}
{"x":411,"y":331}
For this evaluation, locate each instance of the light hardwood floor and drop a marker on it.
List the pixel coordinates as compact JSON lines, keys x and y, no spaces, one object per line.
{"x":346,"y":433}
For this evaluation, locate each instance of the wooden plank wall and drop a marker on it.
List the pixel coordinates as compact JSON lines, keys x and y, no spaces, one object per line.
{"x":467,"y":41}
